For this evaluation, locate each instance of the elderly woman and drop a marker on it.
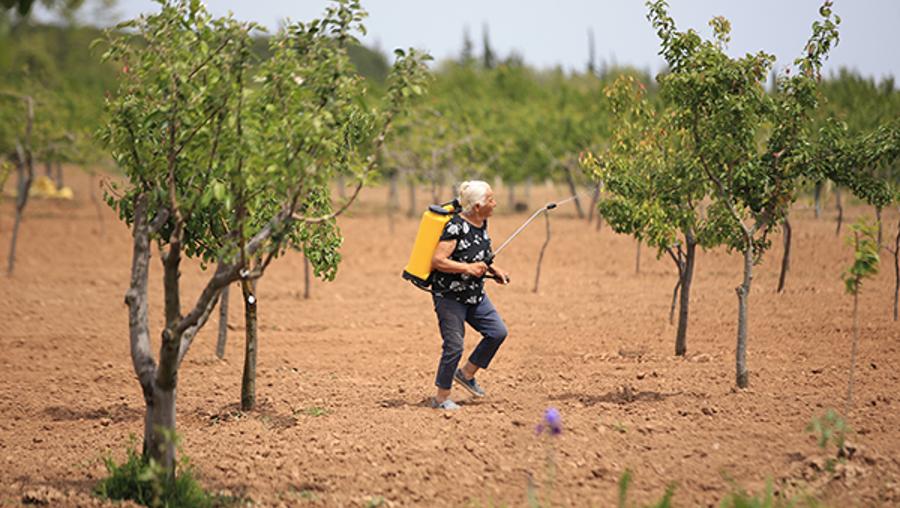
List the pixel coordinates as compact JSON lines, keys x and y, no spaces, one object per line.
{"x":459,"y":267}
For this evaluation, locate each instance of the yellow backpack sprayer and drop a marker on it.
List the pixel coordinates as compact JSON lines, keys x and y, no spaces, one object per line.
{"x":418,"y":269}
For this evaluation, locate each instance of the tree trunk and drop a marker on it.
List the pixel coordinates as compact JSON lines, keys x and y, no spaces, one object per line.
{"x":25,"y":171}
{"x":162,"y":433}
{"x":878,"y":222}
{"x":48,"y":169}
{"x":158,"y":383}
{"x":164,"y":385}
{"x":171,"y":276}
{"x":435,"y":191}
{"x":511,"y":190}
{"x":853,"y":351}
{"x":59,"y":175}
{"x":392,"y":201}
{"x":595,"y":196}
{"x":223,"y":322}
{"x":413,"y":209}
{"x":675,"y":296}
{"x":138,"y":322}
{"x":159,"y":419}
{"x":637,"y":258}
{"x":840,"y":209}
{"x":818,"y":198}
{"x":786,"y":256}
{"x":537,"y":274}
{"x":95,"y":201}
{"x":307,"y":277}
{"x":527,"y":194}
{"x":896,"y":270}
{"x":743,"y":293}
{"x":687,"y":278}
{"x":342,"y":192}
{"x":248,"y":383}
{"x":573,"y":188}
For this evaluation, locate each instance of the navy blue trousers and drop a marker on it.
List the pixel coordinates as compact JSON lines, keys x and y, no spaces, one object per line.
{"x":452,"y":317}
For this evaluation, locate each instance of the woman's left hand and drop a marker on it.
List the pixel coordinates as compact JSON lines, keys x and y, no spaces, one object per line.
{"x":500,"y":275}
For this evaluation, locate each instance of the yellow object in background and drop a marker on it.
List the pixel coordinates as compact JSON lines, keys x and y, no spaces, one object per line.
{"x":43,"y":187}
{"x":418,"y":270}
{"x":65,"y":193}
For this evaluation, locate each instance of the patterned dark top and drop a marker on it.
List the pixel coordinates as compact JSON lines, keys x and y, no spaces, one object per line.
{"x":472,"y":245}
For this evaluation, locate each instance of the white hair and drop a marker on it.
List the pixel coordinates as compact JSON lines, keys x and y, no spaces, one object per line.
{"x":471,"y":193}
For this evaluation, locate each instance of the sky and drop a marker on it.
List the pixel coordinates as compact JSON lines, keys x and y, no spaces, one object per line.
{"x":550,"y":33}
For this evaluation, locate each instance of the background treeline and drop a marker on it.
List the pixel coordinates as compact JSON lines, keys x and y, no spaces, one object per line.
{"x":486,"y":114}
{"x":57,"y":66}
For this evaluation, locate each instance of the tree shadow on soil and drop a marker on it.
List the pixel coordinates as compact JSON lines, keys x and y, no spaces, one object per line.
{"x":621,"y":396}
{"x":117,"y":413}
{"x":265,"y":412}
{"x":425,"y":402}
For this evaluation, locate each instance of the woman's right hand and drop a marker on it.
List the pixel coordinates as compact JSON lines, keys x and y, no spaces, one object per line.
{"x":477,"y":269}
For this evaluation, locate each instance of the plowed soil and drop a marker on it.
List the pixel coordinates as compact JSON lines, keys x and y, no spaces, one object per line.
{"x":345,"y":376}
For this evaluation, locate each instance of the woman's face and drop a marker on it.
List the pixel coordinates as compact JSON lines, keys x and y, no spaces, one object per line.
{"x":487,"y":209}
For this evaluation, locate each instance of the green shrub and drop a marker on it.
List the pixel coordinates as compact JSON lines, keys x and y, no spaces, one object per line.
{"x":146,"y":482}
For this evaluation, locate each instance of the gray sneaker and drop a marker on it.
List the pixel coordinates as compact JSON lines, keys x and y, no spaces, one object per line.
{"x":447,"y":405}
{"x":468,"y":384}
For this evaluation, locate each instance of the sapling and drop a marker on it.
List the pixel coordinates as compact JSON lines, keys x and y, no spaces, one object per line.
{"x":865,"y":266}
{"x":537,"y":274}
{"x":652,"y":191}
{"x":24,"y":169}
{"x":744,"y":141}
{"x":229,"y":173}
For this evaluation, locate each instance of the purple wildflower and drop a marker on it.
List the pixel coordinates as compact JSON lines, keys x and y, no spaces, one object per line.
{"x":552,"y":422}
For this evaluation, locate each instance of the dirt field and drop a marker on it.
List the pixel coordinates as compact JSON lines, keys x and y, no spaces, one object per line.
{"x":345,"y":376}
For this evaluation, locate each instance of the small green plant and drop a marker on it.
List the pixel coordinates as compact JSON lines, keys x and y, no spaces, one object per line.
{"x":865,"y":265}
{"x":316,"y":411}
{"x":625,"y":482}
{"x":375,"y":502}
{"x":768,"y":498}
{"x":829,"y":428}
{"x":619,"y":427}
{"x":146,"y":482}
{"x":740,"y":498}
{"x":307,"y":495}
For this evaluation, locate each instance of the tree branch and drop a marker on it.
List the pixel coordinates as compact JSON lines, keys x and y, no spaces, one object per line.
{"x":373,"y":161}
{"x":209,"y":58}
{"x":199,"y":126}
{"x":136,"y":298}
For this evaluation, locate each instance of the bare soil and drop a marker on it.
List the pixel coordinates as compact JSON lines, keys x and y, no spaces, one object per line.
{"x":345,"y":376}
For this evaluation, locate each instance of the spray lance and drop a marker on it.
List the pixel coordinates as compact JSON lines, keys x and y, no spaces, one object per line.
{"x":418,"y":270}
{"x":544,"y":209}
